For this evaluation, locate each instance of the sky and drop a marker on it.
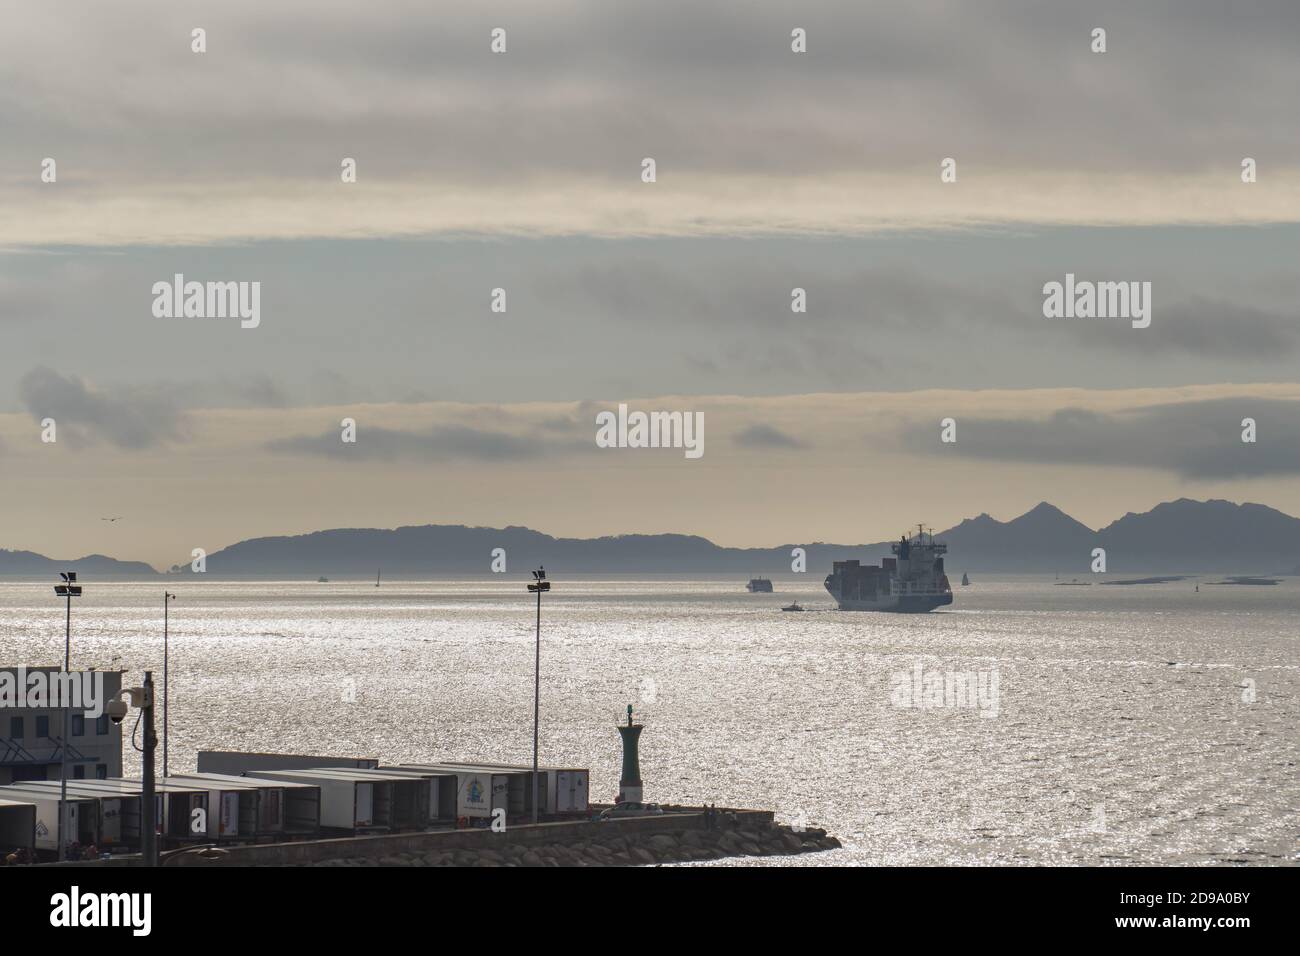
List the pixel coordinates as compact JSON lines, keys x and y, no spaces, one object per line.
{"x":522,"y":170}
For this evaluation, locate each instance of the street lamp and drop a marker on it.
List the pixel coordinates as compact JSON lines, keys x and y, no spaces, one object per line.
{"x":67,"y":590}
{"x":168,"y":597}
{"x":539,"y":585}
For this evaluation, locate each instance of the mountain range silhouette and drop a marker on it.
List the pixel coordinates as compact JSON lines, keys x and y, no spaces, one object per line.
{"x":1175,"y":536}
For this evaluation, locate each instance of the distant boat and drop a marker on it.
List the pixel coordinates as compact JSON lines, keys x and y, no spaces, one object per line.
{"x":322,"y":580}
{"x":757,"y":585}
{"x":792,"y":607}
{"x":377,"y":573}
{"x":965,"y":580}
{"x":1074,"y":583}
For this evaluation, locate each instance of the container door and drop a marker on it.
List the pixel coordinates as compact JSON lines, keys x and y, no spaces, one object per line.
{"x":110,"y":828}
{"x":365,"y":805}
{"x":84,"y":823}
{"x":501,"y":795}
{"x":228,"y":819}
{"x":47,"y":818}
{"x":273,"y":810}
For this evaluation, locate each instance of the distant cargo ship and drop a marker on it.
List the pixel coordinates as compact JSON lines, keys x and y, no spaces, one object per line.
{"x":912,"y":581}
{"x":757,"y":585}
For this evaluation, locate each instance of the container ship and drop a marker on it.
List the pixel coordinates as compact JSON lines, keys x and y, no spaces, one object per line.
{"x":912,"y":581}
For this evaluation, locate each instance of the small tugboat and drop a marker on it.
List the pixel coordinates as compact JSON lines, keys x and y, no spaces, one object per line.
{"x":792,"y":607}
{"x":759,"y":585}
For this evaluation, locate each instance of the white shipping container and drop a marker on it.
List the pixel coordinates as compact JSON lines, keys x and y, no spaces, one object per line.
{"x":350,"y":799}
{"x":47,"y":821}
{"x":17,"y":824}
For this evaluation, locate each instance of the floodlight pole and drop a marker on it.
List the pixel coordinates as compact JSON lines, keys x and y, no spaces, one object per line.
{"x":148,"y":821}
{"x":67,"y":729}
{"x":539,"y":585}
{"x":537,"y":695}
{"x":68,"y":590}
{"x":168,"y":597}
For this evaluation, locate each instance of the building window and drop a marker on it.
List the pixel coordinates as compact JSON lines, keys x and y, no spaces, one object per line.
{"x":42,"y":726}
{"x":16,"y":728}
{"x":101,"y":724}
{"x":78,"y":725}
{"x":79,"y":772}
{"x":101,"y":772}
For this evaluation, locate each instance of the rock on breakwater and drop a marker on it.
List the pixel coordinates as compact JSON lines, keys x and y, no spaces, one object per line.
{"x":618,"y":849}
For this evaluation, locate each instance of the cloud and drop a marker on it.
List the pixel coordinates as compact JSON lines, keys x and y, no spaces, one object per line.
{"x":22,"y":302}
{"x":1199,"y":326}
{"x":130,"y":418}
{"x":750,"y":137}
{"x":1196,"y":440}
{"x":440,"y":443}
{"x":765,"y":436}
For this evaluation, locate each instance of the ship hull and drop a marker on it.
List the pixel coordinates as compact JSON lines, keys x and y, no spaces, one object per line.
{"x":907,"y":604}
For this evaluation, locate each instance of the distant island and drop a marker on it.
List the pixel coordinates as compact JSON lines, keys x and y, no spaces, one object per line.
{"x":1176,"y":537}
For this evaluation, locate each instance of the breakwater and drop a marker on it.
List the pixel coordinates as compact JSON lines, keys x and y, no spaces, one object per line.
{"x":675,"y":837}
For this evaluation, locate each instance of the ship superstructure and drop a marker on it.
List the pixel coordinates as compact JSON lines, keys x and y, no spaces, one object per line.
{"x":913,"y":580}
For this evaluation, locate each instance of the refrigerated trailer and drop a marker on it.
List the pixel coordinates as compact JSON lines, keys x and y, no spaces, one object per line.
{"x":113,"y":817}
{"x":421,"y":798}
{"x":519,"y":784}
{"x":442,"y":792}
{"x":17,"y":826}
{"x":239,"y":762}
{"x":81,"y":817}
{"x":233,"y":807}
{"x":181,"y":811}
{"x":443,"y":786}
{"x":273,"y":808}
{"x":480,"y":791}
{"x":564,"y":789}
{"x":349,"y":800}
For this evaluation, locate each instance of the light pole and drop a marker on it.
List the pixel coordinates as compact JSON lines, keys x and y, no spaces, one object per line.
{"x":539,"y":585}
{"x":168,"y":597}
{"x":143,"y":699}
{"x":68,"y":589}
